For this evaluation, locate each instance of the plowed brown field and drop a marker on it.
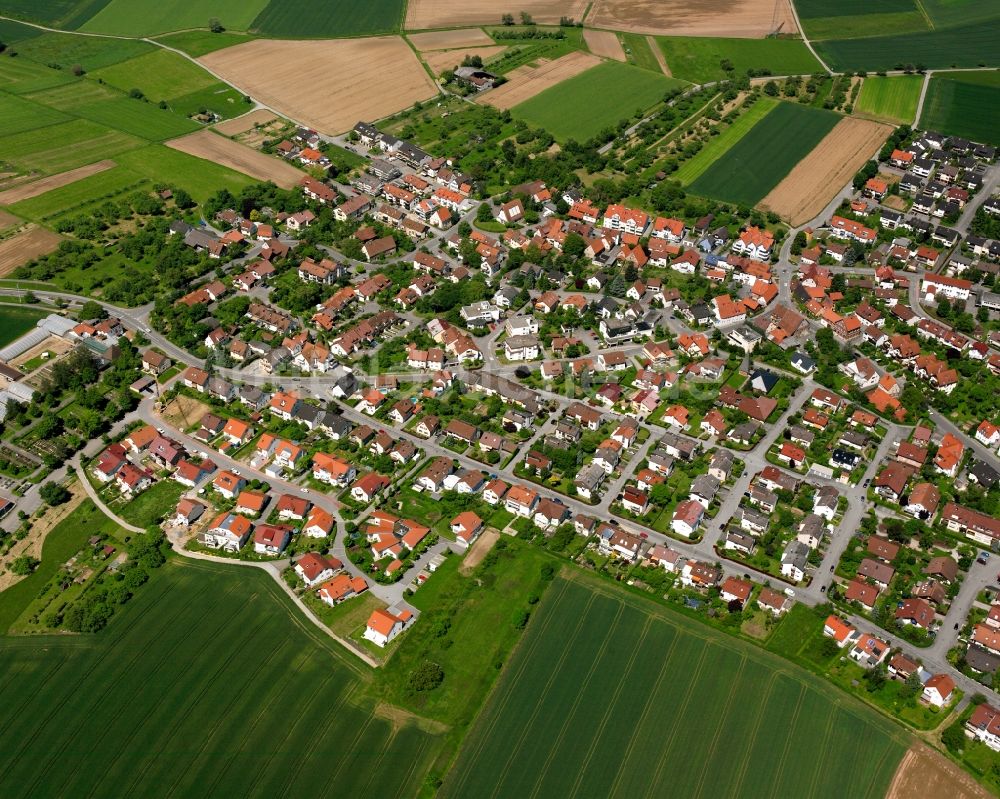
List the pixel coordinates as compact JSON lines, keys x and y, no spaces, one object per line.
{"x":604,"y":43}
{"x":213,"y":147}
{"x":817,"y":178}
{"x":329,"y":85}
{"x":449,"y":13}
{"x":27,"y":245}
{"x":925,"y":773}
{"x":448,"y":40}
{"x":525,"y":82}
{"x":28,"y":190}
{"x":744,"y":19}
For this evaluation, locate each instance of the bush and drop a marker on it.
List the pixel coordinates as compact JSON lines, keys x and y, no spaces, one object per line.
{"x":54,"y":493}
{"x":426,"y":677}
{"x":24,"y":565}
{"x":954,"y":737}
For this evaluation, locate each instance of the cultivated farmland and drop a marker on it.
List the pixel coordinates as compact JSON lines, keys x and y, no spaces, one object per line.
{"x":526,"y":82}
{"x":149,"y":17}
{"x":740,"y":18}
{"x":307,"y":18}
{"x":964,"y":104}
{"x":422,"y":14}
{"x":440,"y":60}
{"x":565,"y":111}
{"x":25,"y":246}
{"x":718,"y":146}
{"x":892,"y":98}
{"x":450,"y":39}
{"x":700,"y":60}
{"x":90,"y":52}
{"x":33,"y":189}
{"x":816,"y":179}
{"x":760,"y":160}
{"x":328,"y":85}
{"x":611,"y":695}
{"x":604,"y":44}
{"x":857,"y":18}
{"x":60,"y":13}
{"x":149,"y":704}
{"x":221,"y":150}
{"x":160,"y":75}
{"x":20,"y":115}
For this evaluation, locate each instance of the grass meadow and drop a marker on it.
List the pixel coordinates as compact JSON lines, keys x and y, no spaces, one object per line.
{"x":964,"y":104}
{"x":198,"y":43}
{"x":208,"y":682}
{"x":149,"y":17}
{"x":74,"y":197}
{"x":718,"y":146}
{"x":65,"y":146}
{"x":309,"y":19}
{"x":639,"y":52}
{"x":21,"y":115}
{"x":759,"y":160}
{"x":90,"y":52}
{"x":160,"y":75}
{"x":612,"y":695}
{"x":57,"y":13}
{"x":893,"y":98}
{"x":567,"y":110}
{"x":699,"y":60}
{"x":16,"y":321}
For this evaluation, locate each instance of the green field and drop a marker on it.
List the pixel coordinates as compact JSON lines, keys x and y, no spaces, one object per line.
{"x":65,"y":146}
{"x":18,"y":75}
{"x":892,"y":98}
{"x":964,"y":104}
{"x":207,"y":683}
{"x":960,"y":12}
{"x":307,"y":18}
{"x":160,"y":75}
{"x":139,"y":119}
{"x":868,"y":25}
{"x":16,"y":321}
{"x":638,"y":51}
{"x":200,"y":178}
{"x":56,"y":13}
{"x":20,"y":115}
{"x":717,"y":146}
{"x":970,"y":45}
{"x":76,"y":196}
{"x":699,"y":59}
{"x":758,"y":161}
{"x":198,"y":43}
{"x":611,"y":695}
{"x":568,"y":111}
{"x":90,"y":52}
{"x":148,"y":17}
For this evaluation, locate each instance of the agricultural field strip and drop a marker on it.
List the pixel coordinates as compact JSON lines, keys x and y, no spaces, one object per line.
{"x":893,"y":98}
{"x":720,"y":145}
{"x":963,"y":104}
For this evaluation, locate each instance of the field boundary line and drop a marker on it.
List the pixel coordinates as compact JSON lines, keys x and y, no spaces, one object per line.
{"x":495,"y":702}
{"x":718,"y":730}
{"x":300,"y":660}
{"x":678,"y":715}
{"x":579,"y":696}
{"x":83,"y":676}
{"x":548,"y":684}
{"x":791,"y":729}
{"x":611,"y":705}
{"x":751,"y":739}
{"x":180,"y":718}
{"x":622,"y":770}
{"x":924,"y":14}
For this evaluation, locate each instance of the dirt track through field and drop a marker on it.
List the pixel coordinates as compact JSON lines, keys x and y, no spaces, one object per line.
{"x":815,"y":180}
{"x":925,"y":773}
{"x":247,"y":122}
{"x":744,"y":19}
{"x":449,"y":40}
{"x":449,"y":13}
{"x":440,"y":60}
{"x":213,"y":147}
{"x":30,"y":243}
{"x":605,"y":44}
{"x":525,"y":82}
{"x":658,"y":54}
{"x":329,"y":85}
{"x":479,"y":550}
{"x":28,"y":190}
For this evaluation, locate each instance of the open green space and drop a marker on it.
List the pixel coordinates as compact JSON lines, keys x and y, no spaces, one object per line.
{"x":139,"y":119}
{"x":160,"y":75}
{"x":758,"y":161}
{"x":638,"y":51}
{"x":15,"y":322}
{"x":198,"y":43}
{"x":307,"y":18}
{"x":218,"y":97}
{"x":686,"y":711}
{"x":76,"y":196}
{"x":892,"y":98}
{"x":970,"y":45}
{"x":200,"y":178}
{"x":964,"y":104}
{"x":153,"y":504}
{"x":700,"y":60}
{"x":148,"y":17}
{"x":89,"y":52}
{"x":567,"y":110}
{"x":20,"y":115}
{"x":173,"y":700}
{"x":811,"y":9}
{"x":56,"y":13}
{"x":860,"y":27}
{"x":65,"y":146}
{"x":19,"y":75}
{"x":718,"y":146}
{"x":960,"y":12}
{"x":11,"y":31}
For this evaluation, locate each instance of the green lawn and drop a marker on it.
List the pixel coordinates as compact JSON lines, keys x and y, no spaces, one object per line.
{"x":639,"y":52}
{"x":892,"y":98}
{"x":612,"y":695}
{"x":717,"y":146}
{"x":567,"y":110}
{"x":758,"y":161}
{"x":219,"y":97}
{"x":153,"y":504}
{"x":160,"y":75}
{"x":18,"y":75}
{"x":307,"y":18}
{"x":139,"y":119}
{"x":964,"y":104}
{"x":971,"y":45}
{"x":700,"y":59}
{"x":149,"y":17}
{"x":16,"y":321}
{"x":207,"y":683}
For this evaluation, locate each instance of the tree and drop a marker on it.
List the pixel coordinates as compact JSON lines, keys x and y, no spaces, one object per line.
{"x":426,"y":677}
{"x":24,"y":565}
{"x":771,"y":89}
{"x":215,"y":25}
{"x":54,"y":493}
{"x":507,"y":19}
{"x":484,"y":213}
{"x":526,"y":18}
{"x":92,"y":310}
{"x":954,"y":737}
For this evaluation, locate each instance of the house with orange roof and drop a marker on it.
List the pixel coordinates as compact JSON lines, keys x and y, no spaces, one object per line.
{"x":313,"y":568}
{"x":466,"y":527}
{"x":988,"y":433}
{"x":366,"y":488}
{"x":341,"y":587}
{"x":384,"y":626}
{"x":319,"y":523}
{"x":840,"y":631}
{"x":237,"y":432}
{"x":228,"y":531}
{"x":228,"y":484}
{"x":949,"y":455}
{"x":332,"y":470}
